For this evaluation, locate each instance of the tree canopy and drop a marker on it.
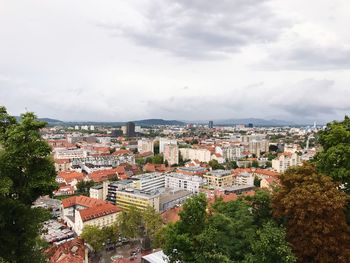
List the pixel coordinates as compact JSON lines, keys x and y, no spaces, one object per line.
{"x":312,"y":208}
{"x":334,"y":158}
{"x":26,"y":172}
{"x":223,"y":232}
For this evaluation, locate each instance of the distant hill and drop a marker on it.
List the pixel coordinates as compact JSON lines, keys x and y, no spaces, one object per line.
{"x":48,"y":120}
{"x":150,"y":122}
{"x":254,"y":121}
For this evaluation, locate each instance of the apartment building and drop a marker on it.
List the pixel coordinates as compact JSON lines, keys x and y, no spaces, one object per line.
{"x":244,"y":178}
{"x":219,"y":178}
{"x":202,"y":155}
{"x":178,"y":181}
{"x":164,"y":141}
{"x":285,"y":160}
{"x":145,"y":145}
{"x":171,"y":154}
{"x":258,"y":146}
{"x":139,"y":199}
{"x":232,"y":153}
{"x":96,"y":192}
{"x":111,"y":188}
{"x":149,"y":181}
{"x":69,"y":153}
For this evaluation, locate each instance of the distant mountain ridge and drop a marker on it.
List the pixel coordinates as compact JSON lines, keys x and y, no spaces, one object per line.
{"x":255,"y":121}
{"x":48,"y":120}
{"x":150,"y":122}
{"x":160,"y":122}
{"x":246,"y":121}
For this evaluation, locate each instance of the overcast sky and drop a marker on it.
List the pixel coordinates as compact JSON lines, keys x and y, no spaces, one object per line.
{"x":176,"y":59}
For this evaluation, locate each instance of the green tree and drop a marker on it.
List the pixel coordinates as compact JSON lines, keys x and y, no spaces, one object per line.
{"x":231,"y":165}
{"x":94,"y":236}
{"x":26,"y":172}
{"x":235,"y":221}
{"x":83,"y":187}
{"x":260,"y":204}
{"x":222,"y":233}
{"x":270,"y":246}
{"x":257,"y":181}
{"x":140,"y":161}
{"x":179,"y":238}
{"x":156,"y":147}
{"x":312,"y":208}
{"x":158,"y":159}
{"x":334,"y":159}
{"x":152,"y":223}
{"x":255,"y":164}
{"x":130,"y":223}
{"x":215,"y":165}
{"x":110,"y":233}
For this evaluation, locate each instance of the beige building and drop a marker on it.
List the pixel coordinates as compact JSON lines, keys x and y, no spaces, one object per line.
{"x":285,"y":160}
{"x":258,"y":146}
{"x":171,"y":154}
{"x":145,"y":145}
{"x":79,"y":211}
{"x":62,"y":165}
{"x":96,"y":192}
{"x":219,"y":178}
{"x":202,"y":155}
{"x":164,"y":141}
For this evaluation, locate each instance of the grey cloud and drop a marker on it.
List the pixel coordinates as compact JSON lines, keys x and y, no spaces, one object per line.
{"x":203,"y":29}
{"x":308,"y":56}
{"x":305,"y":100}
{"x":312,"y":98}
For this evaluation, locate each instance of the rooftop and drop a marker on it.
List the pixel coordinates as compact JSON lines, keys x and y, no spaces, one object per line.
{"x":98,"y":211}
{"x":81,"y":200}
{"x":219,"y":173}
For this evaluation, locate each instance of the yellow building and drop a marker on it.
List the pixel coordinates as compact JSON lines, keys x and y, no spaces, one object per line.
{"x":140,"y":199}
{"x":219,"y":178}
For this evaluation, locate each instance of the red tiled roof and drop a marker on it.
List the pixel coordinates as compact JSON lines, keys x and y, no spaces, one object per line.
{"x":121,"y":152}
{"x":98,"y":211}
{"x":71,"y":175}
{"x":70,"y":252}
{"x":62,"y":161}
{"x":102,"y":175}
{"x":266,"y":172}
{"x":81,"y":200}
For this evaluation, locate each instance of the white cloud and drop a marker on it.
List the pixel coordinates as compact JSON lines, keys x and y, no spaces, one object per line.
{"x":122,"y":60}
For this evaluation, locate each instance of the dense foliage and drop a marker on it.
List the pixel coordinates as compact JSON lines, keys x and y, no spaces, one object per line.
{"x":97,"y":237}
{"x":224,"y":232}
{"x":135,"y":223}
{"x":26,"y":172}
{"x":83,"y":187}
{"x":312,"y":209}
{"x":334,"y":159}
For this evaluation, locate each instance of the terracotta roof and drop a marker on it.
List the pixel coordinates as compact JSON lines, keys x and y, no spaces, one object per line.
{"x":62,"y":161}
{"x":81,"y":200}
{"x":98,"y":211}
{"x":102,"y":175}
{"x":71,"y":175}
{"x":69,"y":252}
{"x":121,"y":152}
{"x":149,"y":167}
{"x":266,"y":172}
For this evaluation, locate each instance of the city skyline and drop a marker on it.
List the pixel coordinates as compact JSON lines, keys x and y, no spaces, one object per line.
{"x":183,"y":60}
